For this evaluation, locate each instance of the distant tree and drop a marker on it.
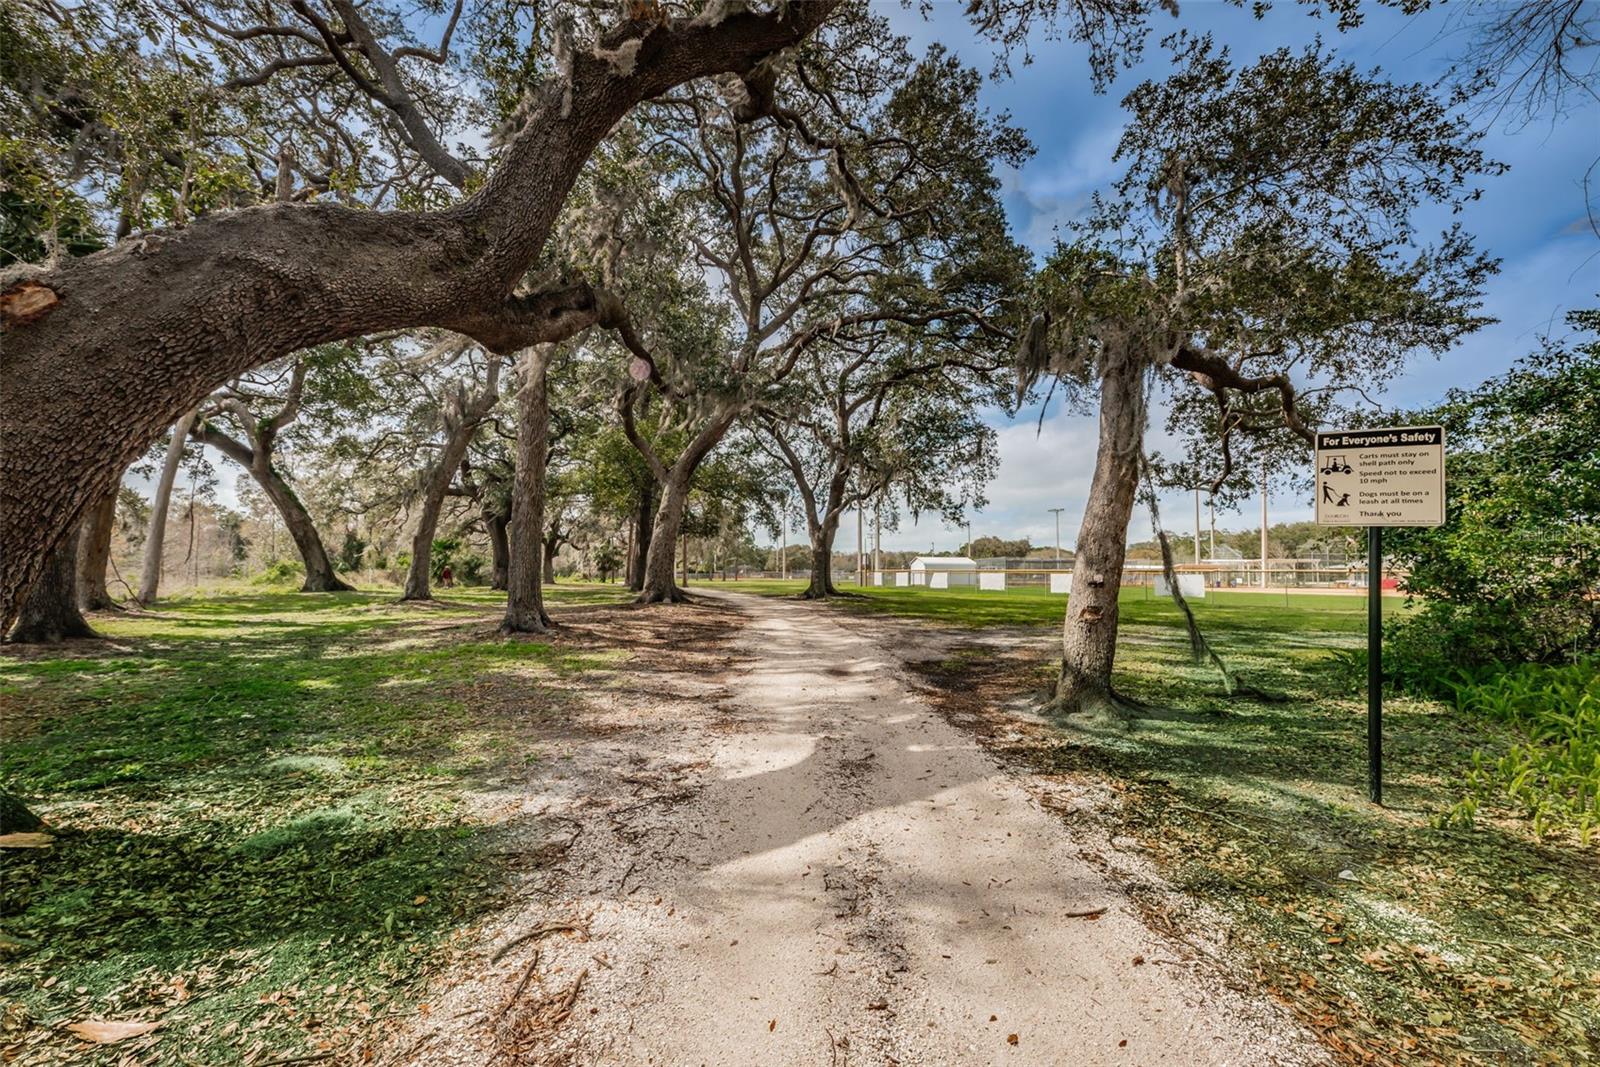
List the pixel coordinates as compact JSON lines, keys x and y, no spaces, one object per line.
{"x":989,"y":547}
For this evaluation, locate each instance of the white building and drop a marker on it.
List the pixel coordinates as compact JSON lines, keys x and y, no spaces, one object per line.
{"x":957,"y":570}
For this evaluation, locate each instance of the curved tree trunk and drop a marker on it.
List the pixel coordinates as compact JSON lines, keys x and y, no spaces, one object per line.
{"x":1089,"y":635}
{"x":525,"y":612}
{"x":15,"y":818}
{"x":658,"y":584}
{"x":94,"y":555}
{"x":150,"y":572}
{"x":104,"y":350}
{"x":459,"y":428}
{"x":499,"y":550}
{"x":320,"y":574}
{"x":50,"y":613}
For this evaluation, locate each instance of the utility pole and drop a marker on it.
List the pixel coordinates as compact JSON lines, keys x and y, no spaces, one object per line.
{"x":783,"y":567}
{"x":861,"y":546}
{"x":1197,"y":524}
{"x":1263,"y":522}
{"x":1057,"y":513}
{"x":877,"y":535}
{"x":1211,"y":514}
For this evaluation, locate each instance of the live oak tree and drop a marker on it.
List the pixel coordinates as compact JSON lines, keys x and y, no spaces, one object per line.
{"x":247,"y":418}
{"x":199,"y":305}
{"x":1259,"y":261}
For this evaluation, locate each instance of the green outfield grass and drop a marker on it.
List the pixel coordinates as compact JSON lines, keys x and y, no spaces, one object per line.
{"x":1036,"y":606}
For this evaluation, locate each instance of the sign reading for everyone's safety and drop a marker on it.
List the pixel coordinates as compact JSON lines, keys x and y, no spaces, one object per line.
{"x":1387,"y":477}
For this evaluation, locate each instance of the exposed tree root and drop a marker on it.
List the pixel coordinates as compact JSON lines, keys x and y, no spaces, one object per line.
{"x":674,"y":595}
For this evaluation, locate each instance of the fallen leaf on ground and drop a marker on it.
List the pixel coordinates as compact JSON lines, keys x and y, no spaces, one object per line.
{"x":105,"y":1032}
{"x":1011,"y":1039}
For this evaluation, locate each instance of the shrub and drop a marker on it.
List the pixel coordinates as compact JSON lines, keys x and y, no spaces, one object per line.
{"x":1512,"y":575}
{"x":469,"y":568}
{"x":281,"y":572}
{"x":1552,"y":773}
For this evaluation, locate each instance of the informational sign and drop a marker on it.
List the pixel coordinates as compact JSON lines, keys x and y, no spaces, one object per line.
{"x":1386,"y":477}
{"x":939,"y":580}
{"x":992,"y":581}
{"x":1061,"y":582}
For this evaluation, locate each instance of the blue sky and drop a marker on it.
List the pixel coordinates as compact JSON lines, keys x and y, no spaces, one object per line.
{"x":1532,"y":217}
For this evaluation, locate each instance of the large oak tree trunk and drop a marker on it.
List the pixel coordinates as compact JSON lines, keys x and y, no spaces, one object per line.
{"x":525,"y":612}
{"x":155,"y":539}
{"x":50,"y":613}
{"x":94,"y":555}
{"x":104,"y":350}
{"x":1089,"y":635}
{"x":499,"y":549}
{"x":821,"y":585}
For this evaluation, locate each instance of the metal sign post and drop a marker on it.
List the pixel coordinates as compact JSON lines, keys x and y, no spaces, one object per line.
{"x":1375,"y":478}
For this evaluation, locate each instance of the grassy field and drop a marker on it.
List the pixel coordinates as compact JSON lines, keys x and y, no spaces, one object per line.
{"x":266,"y":837}
{"x":1035,"y":606}
{"x":260,"y":802}
{"x":1401,"y":939}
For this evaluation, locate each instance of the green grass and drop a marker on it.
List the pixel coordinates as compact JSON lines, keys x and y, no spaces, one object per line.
{"x":260,"y":802}
{"x":1036,"y":606}
{"x":1402,"y":938}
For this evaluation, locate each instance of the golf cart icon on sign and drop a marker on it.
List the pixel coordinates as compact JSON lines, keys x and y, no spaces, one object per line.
{"x":1336,"y":465}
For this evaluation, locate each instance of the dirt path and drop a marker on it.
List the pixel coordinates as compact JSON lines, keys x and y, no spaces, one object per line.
{"x":821,"y":870}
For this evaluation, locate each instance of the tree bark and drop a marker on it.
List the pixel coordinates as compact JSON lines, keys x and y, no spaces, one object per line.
{"x":320,"y":574}
{"x":643,"y":524}
{"x":1089,"y":634}
{"x":658,"y":583}
{"x":525,"y":612}
{"x":460,"y":425}
{"x":15,"y":818}
{"x":150,"y":573}
{"x":552,"y":545}
{"x":499,"y":549}
{"x":104,"y":350}
{"x":94,"y":555}
{"x":821,"y":585}
{"x":50,"y":613}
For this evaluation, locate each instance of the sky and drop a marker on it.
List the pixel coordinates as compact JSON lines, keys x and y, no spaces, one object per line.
{"x":1533,"y":217}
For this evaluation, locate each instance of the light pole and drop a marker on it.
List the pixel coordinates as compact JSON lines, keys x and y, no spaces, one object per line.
{"x":1263,"y":523}
{"x":1057,"y":513}
{"x":1197,"y":524}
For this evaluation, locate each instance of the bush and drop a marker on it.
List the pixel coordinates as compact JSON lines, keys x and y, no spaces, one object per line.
{"x":1552,"y":774}
{"x":443,"y":555}
{"x":469,"y":568}
{"x":282,"y":572}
